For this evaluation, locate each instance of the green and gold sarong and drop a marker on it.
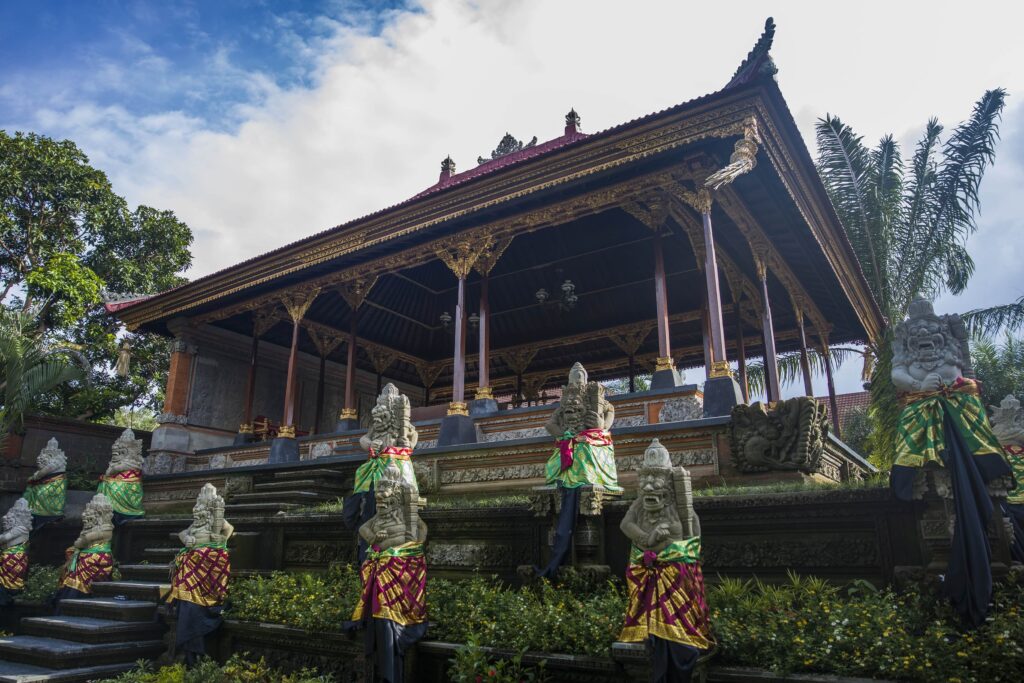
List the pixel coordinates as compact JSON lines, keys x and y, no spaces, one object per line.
{"x":46,"y":496}
{"x":124,"y":490}
{"x":921,"y":440}
{"x":369,"y":472}
{"x":584,"y":458}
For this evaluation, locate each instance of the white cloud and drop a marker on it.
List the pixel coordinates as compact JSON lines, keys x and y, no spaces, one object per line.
{"x":453,"y":76}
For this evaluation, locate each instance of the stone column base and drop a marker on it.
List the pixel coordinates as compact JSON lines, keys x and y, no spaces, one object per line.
{"x":456,"y":429}
{"x":482,"y":406}
{"x":346,"y":425}
{"x":284,"y":450}
{"x":721,"y":395}
{"x":666,"y":379}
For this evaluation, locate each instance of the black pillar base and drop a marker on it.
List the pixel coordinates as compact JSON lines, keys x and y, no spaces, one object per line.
{"x":284,"y":450}
{"x":456,"y":429}
{"x":243,"y":438}
{"x":721,"y":395}
{"x":482,"y":406}
{"x":346,"y":425}
{"x":666,"y":379}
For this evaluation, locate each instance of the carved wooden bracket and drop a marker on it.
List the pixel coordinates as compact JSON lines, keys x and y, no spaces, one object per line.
{"x":324,"y":341}
{"x":460,"y":253}
{"x":298,"y":300}
{"x":263,"y":319}
{"x":381,"y":357}
{"x":429,"y":372}
{"x":629,"y":341}
{"x":354,"y":292}
{"x":489,"y":256}
{"x":519,"y":360}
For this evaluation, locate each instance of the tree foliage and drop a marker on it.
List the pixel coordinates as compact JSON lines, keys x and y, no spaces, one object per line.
{"x":65,"y":239}
{"x":908,"y":223}
{"x":999,"y":367}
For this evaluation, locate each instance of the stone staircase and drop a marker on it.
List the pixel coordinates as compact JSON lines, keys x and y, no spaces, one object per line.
{"x":283,"y":491}
{"x":95,"y":637}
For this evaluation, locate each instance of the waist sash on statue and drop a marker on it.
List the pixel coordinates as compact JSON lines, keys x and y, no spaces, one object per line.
{"x":369,"y":472}
{"x":124,"y":490}
{"x":920,"y":435}
{"x":14,"y":567}
{"x":46,"y":496}
{"x":666,"y":596}
{"x":394,"y":585}
{"x":201,"y":574}
{"x":84,"y":567}
{"x":584,"y":458}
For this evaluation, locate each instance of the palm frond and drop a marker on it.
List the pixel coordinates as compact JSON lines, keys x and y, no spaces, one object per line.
{"x":988,"y":321}
{"x":790,"y":370}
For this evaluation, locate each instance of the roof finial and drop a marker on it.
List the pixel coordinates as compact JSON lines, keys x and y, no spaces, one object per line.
{"x":447,"y":168}
{"x":572,"y":122}
{"x":758,"y":62}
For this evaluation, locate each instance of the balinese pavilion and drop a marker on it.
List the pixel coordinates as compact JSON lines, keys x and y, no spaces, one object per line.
{"x":698,"y":236}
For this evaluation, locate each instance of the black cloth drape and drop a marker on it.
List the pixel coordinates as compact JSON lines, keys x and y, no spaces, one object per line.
{"x":356,"y":511}
{"x":565,"y":527}
{"x":195,"y":622}
{"x":385,"y":643}
{"x":1016,"y":514}
{"x":671,"y":662}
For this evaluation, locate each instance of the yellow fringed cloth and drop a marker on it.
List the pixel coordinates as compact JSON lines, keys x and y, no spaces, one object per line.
{"x":84,"y":567}
{"x":369,"y":472}
{"x":124,"y":490}
{"x":394,"y":585}
{"x":666,"y":596}
{"x":46,"y":496}
{"x":14,"y":567}
{"x":201,"y":574}
{"x":920,"y":433}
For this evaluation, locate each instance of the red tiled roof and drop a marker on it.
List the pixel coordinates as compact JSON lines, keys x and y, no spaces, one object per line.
{"x":847,"y":402}
{"x":115,"y":306}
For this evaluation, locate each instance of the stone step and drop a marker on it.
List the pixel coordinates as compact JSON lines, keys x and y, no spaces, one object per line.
{"x":320,"y":474}
{"x":11,"y":672}
{"x":145,"y":572}
{"x":109,"y":608}
{"x":90,"y":630}
{"x":134,"y":590}
{"x":293,"y":497}
{"x":315,"y":485}
{"x":161,"y":555}
{"x":65,"y":654}
{"x":258,"y":508}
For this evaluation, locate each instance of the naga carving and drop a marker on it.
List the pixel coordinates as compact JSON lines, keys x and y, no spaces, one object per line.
{"x":788,"y":435}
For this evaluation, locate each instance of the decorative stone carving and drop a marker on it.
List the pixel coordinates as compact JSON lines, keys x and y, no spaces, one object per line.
{"x":790,"y":435}
{"x":171,"y":418}
{"x":50,"y":460}
{"x":390,"y":422}
{"x":428,"y":476}
{"x":397,"y":520}
{"x":125,"y":454}
{"x":687,"y":458}
{"x":320,"y":450}
{"x":97,"y":523}
{"x":930,"y":351}
{"x":208,"y":523}
{"x":46,"y":492}
{"x":681,"y":409}
{"x":17,"y":524}
{"x":663,"y":511}
{"x":1008,"y":422}
{"x":583,"y":406}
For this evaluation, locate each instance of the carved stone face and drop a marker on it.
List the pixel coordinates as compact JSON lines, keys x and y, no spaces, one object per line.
{"x":201,"y":516}
{"x":388,"y":494}
{"x":926,"y":343}
{"x":655,"y":488}
{"x":577,"y":375}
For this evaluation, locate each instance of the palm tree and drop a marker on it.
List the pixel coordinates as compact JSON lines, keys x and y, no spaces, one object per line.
{"x":984,"y":322}
{"x":28,"y":369}
{"x":908,"y":224}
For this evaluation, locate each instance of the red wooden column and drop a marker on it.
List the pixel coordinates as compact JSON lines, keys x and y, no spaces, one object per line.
{"x":805,"y":364}
{"x":296,"y":303}
{"x":771,"y":366}
{"x":664,"y":361}
{"x":262,"y":320}
{"x":705,"y":333}
{"x":354,"y":293}
{"x":719,"y":362}
{"x":833,"y":405}
{"x":458,"y":404}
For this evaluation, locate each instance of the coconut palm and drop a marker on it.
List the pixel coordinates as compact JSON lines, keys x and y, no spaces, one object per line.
{"x":908,"y":224}
{"x":984,"y":322}
{"x":28,"y":368}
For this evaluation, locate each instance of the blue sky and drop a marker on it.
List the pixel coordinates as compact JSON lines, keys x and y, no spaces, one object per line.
{"x":259,"y":123}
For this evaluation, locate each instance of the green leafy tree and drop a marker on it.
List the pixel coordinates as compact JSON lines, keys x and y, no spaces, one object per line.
{"x":65,"y":238}
{"x":999,"y":368}
{"x":29,"y":368}
{"x":908,"y":224}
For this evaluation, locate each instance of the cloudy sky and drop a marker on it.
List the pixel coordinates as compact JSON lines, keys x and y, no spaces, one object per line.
{"x":259,"y":123}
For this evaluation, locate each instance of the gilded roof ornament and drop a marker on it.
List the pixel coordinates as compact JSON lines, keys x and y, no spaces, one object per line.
{"x":508,"y":145}
{"x":758,"y":62}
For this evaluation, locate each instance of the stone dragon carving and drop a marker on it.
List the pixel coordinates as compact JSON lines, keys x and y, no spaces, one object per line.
{"x":788,"y":435}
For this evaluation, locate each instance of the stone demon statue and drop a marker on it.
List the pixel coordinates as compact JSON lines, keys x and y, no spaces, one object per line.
{"x":17,"y":525}
{"x":666,"y":585}
{"x":1008,"y":426}
{"x":89,"y":560}
{"x":47,"y":489}
{"x":200,"y":573}
{"x":585,"y":455}
{"x":790,"y":435}
{"x":122,"y":482}
{"x":392,"y":620}
{"x":390,"y":439}
{"x":943,"y":427}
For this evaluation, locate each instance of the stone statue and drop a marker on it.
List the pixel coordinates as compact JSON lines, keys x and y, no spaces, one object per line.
{"x":200,"y":573}
{"x":664,"y":577}
{"x":89,"y":560}
{"x":392,"y":620}
{"x":47,"y":489}
{"x":389,"y":440}
{"x":17,"y":525}
{"x":122,"y":482}
{"x":930,"y":351}
{"x":788,"y":435}
{"x":1008,"y":426}
{"x":584,"y":457}
{"x":944,"y":433}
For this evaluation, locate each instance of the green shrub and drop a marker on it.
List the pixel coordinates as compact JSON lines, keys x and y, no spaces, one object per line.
{"x":314,"y":602}
{"x":40,"y":584}
{"x":472,"y":665}
{"x":235,"y":670}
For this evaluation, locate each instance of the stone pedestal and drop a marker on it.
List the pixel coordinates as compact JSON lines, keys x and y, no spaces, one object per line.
{"x":588,"y":540}
{"x":347,"y":425}
{"x":456,"y":429}
{"x":721,"y":395}
{"x":482,"y":406}
{"x":243,"y":438}
{"x":283,"y":450}
{"x":666,"y":379}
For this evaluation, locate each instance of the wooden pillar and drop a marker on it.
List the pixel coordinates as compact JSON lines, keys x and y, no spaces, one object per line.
{"x":741,"y":354}
{"x":320,"y":393}
{"x":771,"y":366}
{"x":296,"y":303}
{"x":805,"y":364}
{"x":179,"y":378}
{"x":458,"y":404}
{"x":250,"y":384}
{"x":719,"y":362}
{"x":483,"y":390}
{"x":664,"y":361}
{"x":709,"y":357}
{"x":833,"y":405}
{"x":349,"y":412}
